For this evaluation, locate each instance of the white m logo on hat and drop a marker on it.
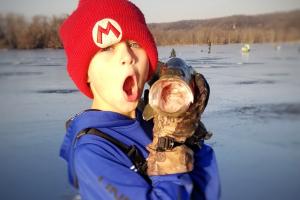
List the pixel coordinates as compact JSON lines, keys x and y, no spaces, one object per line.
{"x":106,"y":32}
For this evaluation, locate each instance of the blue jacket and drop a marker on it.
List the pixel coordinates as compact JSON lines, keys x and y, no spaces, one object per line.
{"x":103,"y":170}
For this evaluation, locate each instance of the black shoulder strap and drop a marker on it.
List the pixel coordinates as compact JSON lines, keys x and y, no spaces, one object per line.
{"x":139,"y":162}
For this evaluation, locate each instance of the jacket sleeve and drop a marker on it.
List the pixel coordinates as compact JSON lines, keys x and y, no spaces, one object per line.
{"x":102,"y":174}
{"x":205,"y":175}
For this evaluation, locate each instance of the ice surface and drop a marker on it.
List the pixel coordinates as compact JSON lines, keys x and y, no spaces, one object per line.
{"x":254,"y":113}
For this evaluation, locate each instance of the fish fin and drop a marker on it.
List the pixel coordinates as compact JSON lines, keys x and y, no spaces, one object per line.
{"x":148,"y":112}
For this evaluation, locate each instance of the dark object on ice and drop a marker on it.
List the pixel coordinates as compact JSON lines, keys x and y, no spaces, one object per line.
{"x":6,"y":74}
{"x":58,"y":91}
{"x":264,"y":111}
{"x":173,"y":53}
{"x":209,"y":45}
{"x":255,"y":82}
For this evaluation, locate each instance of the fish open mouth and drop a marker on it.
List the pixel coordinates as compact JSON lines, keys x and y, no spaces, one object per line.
{"x":130,"y":88}
{"x":170,"y":96}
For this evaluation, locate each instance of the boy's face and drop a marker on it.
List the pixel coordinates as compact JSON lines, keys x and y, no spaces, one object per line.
{"x":117,"y":75}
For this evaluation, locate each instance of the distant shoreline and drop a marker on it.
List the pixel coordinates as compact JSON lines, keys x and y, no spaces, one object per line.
{"x":296,"y":42}
{"x":280,"y":27}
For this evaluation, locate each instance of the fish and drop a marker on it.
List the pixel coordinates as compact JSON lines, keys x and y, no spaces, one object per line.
{"x":176,"y":99}
{"x":172,"y":89}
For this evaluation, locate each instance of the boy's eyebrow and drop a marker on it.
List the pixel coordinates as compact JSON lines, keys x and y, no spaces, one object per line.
{"x":127,"y":41}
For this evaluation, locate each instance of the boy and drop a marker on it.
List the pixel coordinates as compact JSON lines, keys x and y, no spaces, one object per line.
{"x":110,"y":56}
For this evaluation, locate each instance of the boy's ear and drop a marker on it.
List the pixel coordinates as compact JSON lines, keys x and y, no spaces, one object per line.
{"x":88,"y":80}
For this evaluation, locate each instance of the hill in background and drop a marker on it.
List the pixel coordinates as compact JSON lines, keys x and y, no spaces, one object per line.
{"x":41,"y":31}
{"x":275,"y":27}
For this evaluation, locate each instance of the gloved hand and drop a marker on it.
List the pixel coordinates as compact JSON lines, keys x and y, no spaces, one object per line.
{"x":169,"y":153}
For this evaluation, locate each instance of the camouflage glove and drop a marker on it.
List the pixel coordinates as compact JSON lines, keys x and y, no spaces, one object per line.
{"x":169,"y":152}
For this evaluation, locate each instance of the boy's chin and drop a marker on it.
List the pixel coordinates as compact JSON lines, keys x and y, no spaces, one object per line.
{"x":128,"y":109}
{"x":129,"y":106}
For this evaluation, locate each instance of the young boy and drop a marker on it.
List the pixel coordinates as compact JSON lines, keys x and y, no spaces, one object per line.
{"x":110,"y":56}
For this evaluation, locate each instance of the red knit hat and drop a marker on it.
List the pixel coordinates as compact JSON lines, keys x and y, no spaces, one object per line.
{"x":97,"y":24}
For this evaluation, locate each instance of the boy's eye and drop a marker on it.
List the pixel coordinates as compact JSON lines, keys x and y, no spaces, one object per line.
{"x":110,"y":48}
{"x":134,"y":44}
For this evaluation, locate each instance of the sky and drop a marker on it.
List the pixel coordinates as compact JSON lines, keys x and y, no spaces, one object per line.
{"x":159,"y":10}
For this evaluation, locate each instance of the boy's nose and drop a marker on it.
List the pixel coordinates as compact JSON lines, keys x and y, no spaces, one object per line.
{"x":126,"y":54}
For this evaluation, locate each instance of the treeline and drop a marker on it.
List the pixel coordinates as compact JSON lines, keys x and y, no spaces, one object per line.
{"x":41,"y":31}
{"x":275,"y":27}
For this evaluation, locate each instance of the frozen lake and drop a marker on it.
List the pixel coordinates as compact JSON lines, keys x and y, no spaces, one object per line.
{"x":254,"y":113}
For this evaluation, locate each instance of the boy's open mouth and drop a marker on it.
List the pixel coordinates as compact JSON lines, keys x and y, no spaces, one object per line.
{"x":130,"y":88}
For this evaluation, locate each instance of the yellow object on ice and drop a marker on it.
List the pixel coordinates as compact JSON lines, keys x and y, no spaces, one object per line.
{"x":246,"y":48}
